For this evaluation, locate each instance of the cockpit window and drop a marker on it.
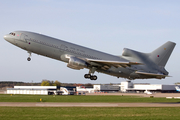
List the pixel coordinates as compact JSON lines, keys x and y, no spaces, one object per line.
{"x":12,"y":33}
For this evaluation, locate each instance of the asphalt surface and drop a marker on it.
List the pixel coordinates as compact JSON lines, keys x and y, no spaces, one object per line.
{"x":48,"y":104}
{"x":140,"y":94}
{"x":52,"y":104}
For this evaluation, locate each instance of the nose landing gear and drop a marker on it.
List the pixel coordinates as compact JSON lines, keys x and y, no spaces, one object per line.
{"x":29,"y":58}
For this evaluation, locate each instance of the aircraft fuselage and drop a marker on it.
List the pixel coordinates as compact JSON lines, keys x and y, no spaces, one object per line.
{"x":62,"y":50}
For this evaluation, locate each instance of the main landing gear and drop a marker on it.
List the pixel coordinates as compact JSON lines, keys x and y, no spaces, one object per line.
{"x":89,"y":76}
{"x":29,"y":58}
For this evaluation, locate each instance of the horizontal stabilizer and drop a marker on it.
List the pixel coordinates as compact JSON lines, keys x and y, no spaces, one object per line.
{"x":152,"y":74}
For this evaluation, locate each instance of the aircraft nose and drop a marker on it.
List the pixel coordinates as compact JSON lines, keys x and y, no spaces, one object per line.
{"x":5,"y":37}
{"x":8,"y":38}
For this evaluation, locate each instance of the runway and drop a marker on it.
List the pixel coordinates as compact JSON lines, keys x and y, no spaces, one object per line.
{"x":49,"y":104}
{"x":140,"y":94}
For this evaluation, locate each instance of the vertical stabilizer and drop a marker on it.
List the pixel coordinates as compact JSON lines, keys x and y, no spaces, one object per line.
{"x":161,"y":55}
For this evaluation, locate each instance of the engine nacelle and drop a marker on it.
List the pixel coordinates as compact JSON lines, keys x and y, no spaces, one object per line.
{"x":76,"y":63}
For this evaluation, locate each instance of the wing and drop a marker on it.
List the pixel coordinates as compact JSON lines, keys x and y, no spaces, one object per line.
{"x":112,"y":63}
{"x":80,"y":63}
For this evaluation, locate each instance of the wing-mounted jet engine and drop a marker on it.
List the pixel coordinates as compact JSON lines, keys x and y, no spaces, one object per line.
{"x":76,"y":63}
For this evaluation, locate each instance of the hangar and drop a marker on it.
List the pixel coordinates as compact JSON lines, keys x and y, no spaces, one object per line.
{"x":128,"y":86}
{"x":42,"y":90}
{"x":35,"y":90}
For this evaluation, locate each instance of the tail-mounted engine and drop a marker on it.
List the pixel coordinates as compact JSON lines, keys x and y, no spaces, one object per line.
{"x":129,"y":53}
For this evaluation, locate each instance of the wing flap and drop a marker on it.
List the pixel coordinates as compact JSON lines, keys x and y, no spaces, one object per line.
{"x":114,"y":63}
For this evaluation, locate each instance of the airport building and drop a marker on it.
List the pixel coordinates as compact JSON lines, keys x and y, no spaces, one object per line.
{"x":42,"y":90}
{"x":35,"y":90}
{"x":127,"y":86}
{"x":141,"y":87}
{"x":98,"y":88}
{"x":58,"y":90}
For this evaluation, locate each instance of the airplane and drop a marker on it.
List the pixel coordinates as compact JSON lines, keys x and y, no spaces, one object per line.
{"x":147,"y":92}
{"x":177,"y":88}
{"x":131,"y":65}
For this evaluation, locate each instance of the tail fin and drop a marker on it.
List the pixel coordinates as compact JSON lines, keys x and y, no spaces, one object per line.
{"x":161,"y":55}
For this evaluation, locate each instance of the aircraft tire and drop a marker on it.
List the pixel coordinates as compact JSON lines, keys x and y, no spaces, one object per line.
{"x":29,"y":59}
{"x":93,"y":77}
{"x":87,"y":76}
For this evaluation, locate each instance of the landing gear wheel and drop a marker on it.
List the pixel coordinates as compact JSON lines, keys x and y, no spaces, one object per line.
{"x":87,"y":76}
{"x":93,"y":77}
{"x":29,"y":59}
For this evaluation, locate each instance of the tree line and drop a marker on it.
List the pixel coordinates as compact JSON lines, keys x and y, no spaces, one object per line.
{"x":50,"y":83}
{"x":44,"y":82}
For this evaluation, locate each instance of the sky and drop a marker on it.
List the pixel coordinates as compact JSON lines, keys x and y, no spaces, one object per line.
{"x":104,"y":25}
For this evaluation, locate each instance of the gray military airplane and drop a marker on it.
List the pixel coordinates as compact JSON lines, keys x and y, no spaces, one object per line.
{"x":131,"y":65}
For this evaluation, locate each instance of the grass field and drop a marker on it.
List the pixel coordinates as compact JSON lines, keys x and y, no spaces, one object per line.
{"x":86,"y":113}
{"x":62,"y":113}
{"x":76,"y":98}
